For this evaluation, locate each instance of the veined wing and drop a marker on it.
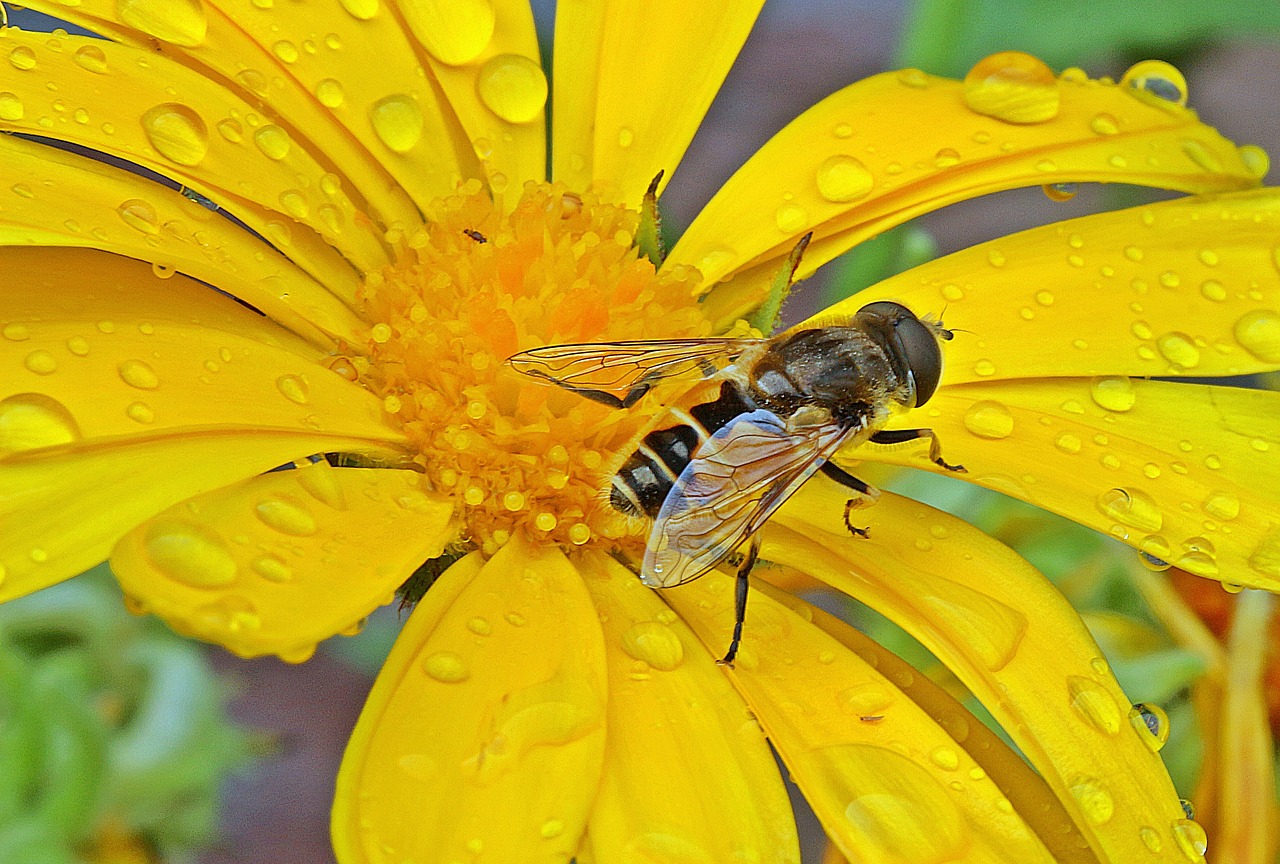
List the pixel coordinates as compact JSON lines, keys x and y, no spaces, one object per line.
{"x":620,"y":367}
{"x":735,"y":481}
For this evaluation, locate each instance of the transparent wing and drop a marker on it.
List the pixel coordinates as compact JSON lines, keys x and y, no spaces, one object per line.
{"x":622,"y":366}
{"x":735,"y":481}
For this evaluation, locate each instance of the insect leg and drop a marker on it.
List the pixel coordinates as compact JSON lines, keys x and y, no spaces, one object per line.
{"x":740,"y":601}
{"x":898,"y":436}
{"x":866,"y":494}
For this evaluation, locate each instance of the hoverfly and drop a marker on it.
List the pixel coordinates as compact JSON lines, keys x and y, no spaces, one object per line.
{"x":708,"y":475}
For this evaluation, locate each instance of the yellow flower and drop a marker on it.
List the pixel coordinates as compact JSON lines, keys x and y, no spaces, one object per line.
{"x":389,"y":163}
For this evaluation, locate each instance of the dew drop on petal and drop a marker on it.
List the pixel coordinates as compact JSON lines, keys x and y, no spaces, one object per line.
{"x":1131,"y":507}
{"x":1151,"y":723}
{"x":29,"y":421}
{"x":1256,"y":161}
{"x":1104,"y":124}
{"x":40,"y":362}
{"x":946,"y":157}
{"x":180,"y":22}
{"x":272,"y":141}
{"x":285,"y":516}
{"x":1093,"y":704}
{"x":1258,"y":332}
{"x":791,"y":218}
{"x":866,"y":699}
{"x":398,"y":122}
{"x":177,"y":132}
{"x":1067,"y":443}
{"x":1095,"y":801}
{"x":842,"y":178}
{"x":293,"y":388}
{"x":455,"y":32}
{"x":361,"y":10}
{"x":271,"y":568}
{"x":1202,"y":156}
{"x":329,"y":92}
{"x":446,"y":667}
{"x":138,"y":374}
{"x":140,"y":412}
{"x":897,"y":805}
{"x":1159,"y":79}
{"x":139,"y":215}
{"x":655,"y":644}
{"x":1150,"y":838}
{"x":1191,"y":839}
{"x":91,"y":58}
{"x":190,"y":554}
{"x":989,"y":419}
{"x":513,"y":87}
{"x":1114,"y":393}
{"x":1013,"y":87}
{"x":22,"y":58}
{"x":1179,"y":350}
{"x":11,"y":107}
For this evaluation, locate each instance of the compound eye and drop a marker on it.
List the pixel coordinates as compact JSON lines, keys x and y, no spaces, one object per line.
{"x":918,"y":347}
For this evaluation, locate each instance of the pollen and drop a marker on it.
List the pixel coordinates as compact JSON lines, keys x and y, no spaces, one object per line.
{"x":475,"y":286}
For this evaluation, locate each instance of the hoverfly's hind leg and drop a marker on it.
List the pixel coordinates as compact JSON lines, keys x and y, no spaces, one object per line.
{"x":740,"y":601}
{"x":899,"y":436}
{"x":865,"y":494}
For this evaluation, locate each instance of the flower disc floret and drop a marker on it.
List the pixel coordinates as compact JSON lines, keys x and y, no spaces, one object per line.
{"x":475,"y":286}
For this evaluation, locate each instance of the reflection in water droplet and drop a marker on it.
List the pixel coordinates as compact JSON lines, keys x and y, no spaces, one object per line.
{"x":177,"y":132}
{"x":1114,"y":394}
{"x":286,"y":516}
{"x":1258,"y":332}
{"x":1131,"y":507}
{"x":842,"y":178}
{"x":189,"y":553}
{"x":1158,"y":80}
{"x":655,"y":644}
{"x":1013,"y":87}
{"x":513,"y":87}
{"x":989,"y":419}
{"x":29,"y":421}
{"x":398,"y":122}
{"x":1060,"y":191}
{"x":1094,"y":704}
{"x":181,"y":22}
{"x":1151,"y":723}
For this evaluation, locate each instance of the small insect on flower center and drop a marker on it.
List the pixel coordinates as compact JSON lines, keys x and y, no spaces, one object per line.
{"x":475,"y":286}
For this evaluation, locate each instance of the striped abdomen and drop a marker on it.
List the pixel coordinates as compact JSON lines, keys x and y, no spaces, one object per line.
{"x":645,"y":479}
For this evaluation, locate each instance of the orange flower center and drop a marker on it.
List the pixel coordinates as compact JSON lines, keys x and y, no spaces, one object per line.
{"x":475,"y":286}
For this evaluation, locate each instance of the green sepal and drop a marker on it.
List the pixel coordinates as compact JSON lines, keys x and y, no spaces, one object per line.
{"x":765,"y":318}
{"x":649,"y":231}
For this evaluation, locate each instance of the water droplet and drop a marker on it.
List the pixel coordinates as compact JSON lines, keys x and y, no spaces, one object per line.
{"x":1188,"y":809}
{"x":22,"y":58}
{"x":78,"y":345}
{"x":40,"y":362}
{"x":1131,"y":507}
{"x":989,"y":419}
{"x":513,"y":87}
{"x":398,"y":122}
{"x":1179,"y":350}
{"x":139,"y":215}
{"x":271,"y":568}
{"x":991,"y":629}
{"x":1191,"y":839}
{"x":329,"y":92}
{"x":1095,"y":801}
{"x":791,"y":218}
{"x":294,"y":388}
{"x":923,"y":825}
{"x":29,"y":421}
{"x":1256,"y":161}
{"x":446,"y":667}
{"x":135,"y":373}
{"x":1150,"y":838}
{"x":945,"y":758}
{"x":286,"y":516}
{"x":1060,"y":191}
{"x":865,"y":700}
{"x":177,"y":133}
{"x":140,"y":412}
{"x":286,"y":51}
{"x":655,"y":644}
{"x":1013,"y":87}
{"x":1258,"y":332}
{"x":843,"y":178}
{"x":91,"y":58}
{"x":181,"y":22}
{"x":1265,"y":557}
{"x":1163,"y":82}
{"x":190,"y":554}
{"x":1104,"y":124}
{"x":455,"y":32}
{"x":10,"y":107}
{"x":1151,"y":723}
{"x":1202,"y":156}
{"x":946,"y":157}
{"x":361,"y":10}
{"x":1114,"y":393}
{"x":1067,"y":443}
{"x":231,"y":130}
{"x":1094,"y":704}
{"x":272,"y":141}
{"x":984,"y":368}
{"x":294,"y":203}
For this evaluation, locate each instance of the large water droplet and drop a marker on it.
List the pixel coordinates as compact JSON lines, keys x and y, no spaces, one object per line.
{"x":91,"y":58}
{"x":272,"y":141}
{"x":455,"y":32}
{"x":1258,"y":332}
{"x":655,"y":644}
{"x":1114,"y":394}
{"x":1151,"y":723}
{"x":22,"y":58}
{"x":1191,"y":839}
{"x":329,"y":92}
{"x":1013,"y":87}
{"x":11,"y":107}
{"x":190,"y":554}
{"x":513,"y":87}
{"x":1131,"y":507}
{"x":40,"y":362}
{"x":1179,"y":349}
{"x":989,"y":419}
{"x":991,"y":629}
{"x":842,"y":178}
{"x":139,"y":215}
{"x":177,"y":133}
{"x":29,"y":421}
{"x":1222,"y":505}
{"x":181,"y":22}
{"x":1157,"y":80}
{"x":1094,"y":704}
{"x":1095,"y":801}
{"x":286,"y":516}
{"x":398,"y":122}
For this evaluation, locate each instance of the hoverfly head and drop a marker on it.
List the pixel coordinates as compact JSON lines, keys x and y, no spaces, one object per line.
{"x":911,"y":342}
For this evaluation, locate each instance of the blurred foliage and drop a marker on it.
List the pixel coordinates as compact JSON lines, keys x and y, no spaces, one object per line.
{"x":946,"y":37}
{"x":113,"y":736}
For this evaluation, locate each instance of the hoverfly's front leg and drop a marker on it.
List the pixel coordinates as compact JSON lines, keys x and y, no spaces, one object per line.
{"x":740,"y":600}
{"x":898,"y":436}
{"x":866,"y":494}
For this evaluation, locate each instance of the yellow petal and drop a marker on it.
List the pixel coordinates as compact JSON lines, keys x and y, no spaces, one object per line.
{"x":162,"y":115}
{"x":484,"y":733}
{"x":68,"y":200}
{"x":483,"y":54}
{"x":1183,"y":287}
{"x":888,"y":783}
{"x":900,"y":144}
{"x":102,"y":348}
{"x":1246,"y":807}
{"x":242,"y":46}
{"x":280,"y":561}
{"x":1011,"y":638}
{"x":62,"y":509}
{"x":1031,"y":796}
{"x":1187,"y":473}
{"x":633,"y":81}
{"x":687,"y":768}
